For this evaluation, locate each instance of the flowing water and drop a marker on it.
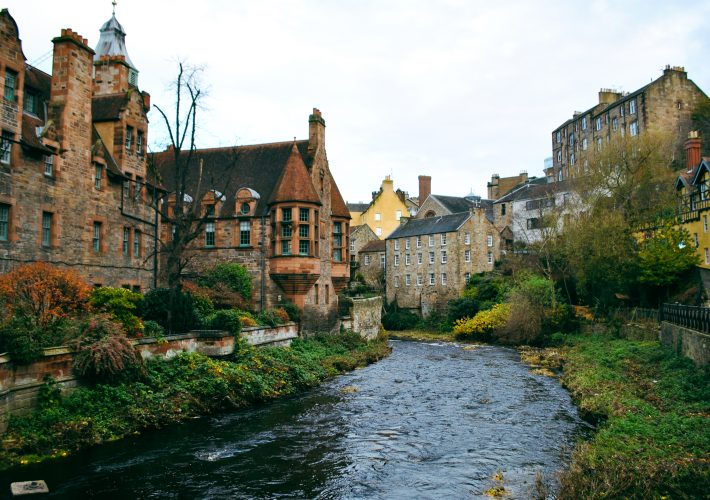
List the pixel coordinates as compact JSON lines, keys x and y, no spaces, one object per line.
{"x":431,"y":421}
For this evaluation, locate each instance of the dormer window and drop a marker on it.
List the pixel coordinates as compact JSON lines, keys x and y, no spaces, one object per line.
{"x":31,"y":102}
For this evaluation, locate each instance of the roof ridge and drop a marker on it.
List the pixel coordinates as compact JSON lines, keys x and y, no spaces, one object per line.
{"x":225,"y":148}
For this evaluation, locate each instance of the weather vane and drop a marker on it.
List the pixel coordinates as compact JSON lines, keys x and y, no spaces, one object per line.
{"x":114,"y":7}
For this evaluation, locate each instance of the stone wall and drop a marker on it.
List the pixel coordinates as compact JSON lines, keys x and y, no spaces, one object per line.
{"x":20,"y":384}
{"x":366,"y":317}
{"x":686,"y":342}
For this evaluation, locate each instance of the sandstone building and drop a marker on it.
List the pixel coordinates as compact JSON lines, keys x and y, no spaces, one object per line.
{"x":359,"y":237}
{"x":385,"y":210}
{"x":72,"y":159}
{"x":372,"y":263}
{"x":666,"y":103}
{"x":276,"y":209}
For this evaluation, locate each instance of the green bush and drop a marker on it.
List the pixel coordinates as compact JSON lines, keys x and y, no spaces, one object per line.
{"x":23,"y":340}
{"x":105,"y":354}
{"x":269,"y":317}
{"x":120,"y":303}
{"x":294,"y":313}
{"x":234,"y":276}
{"x":156,"y":304}
{"x":399,"y":319}
{"x":225,"y":319}
{"x":153,"y":329}
{"x":465,"y":307}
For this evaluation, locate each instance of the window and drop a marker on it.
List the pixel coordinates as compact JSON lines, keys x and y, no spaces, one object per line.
{"x":337,"y":255}
{"x":352,"y":246}
{"x":315,"y":294}
{"x":398,"y":215}
{"x":615,"y":123}
{"x":367,"y":260}
{"x":4,"y":222}
{"x":10,"y":85}
{"x":431,"y":257}
{"x":467,"y":238}
{"x":396,"y":261}
{"x":559,"y":156}
{"x":382,"y":260}
{"x":303,"y":231}
{"x":406,"y":244}
{"x":558,"y":137}
{"x":139,"y":142}
{"x":129,"y":138}
{"x":139,"y":188}
{"x":6,"y":147}
{"x":286,"y":247}
{"x":634,"y":128}
{"x":443,"y":239}
{"x":705,"y":223}
{"x":49,"y":165}
{"x":584,"y":123}
{"x":502,"y":208}
{"x":396,"y":244}
{"x":31,"y":102}
{"x":571,"y":139}
{"x":534,"y":223}
{"x":490,"y":257}
{"x":419,"y":280}
{"x":489,"y":240}
{"x":419,"y":241}
{"x":632,"y":107}
{"x":467,"y":255}
{"x":244,"y":209}
{"x":695,"y":240}
{"x":407,"y":259}
{"x":378,"y":231}
{"x":286,"y":231}
{"x":209,"y":210}
{"x":585,"y":144}
{"x":467,"y":278}
{"x":286,"y":214}
{"x":432,"y":279}
{"x":396,"y":281}
{"x":408,"y":279}
{"x":136,"y":243}
{"x":245,"y":233}
{"x":303,"y":214}
{"x":126,"y":241}
{"x":97,"y":176}
{"x":378,"y":216}
{"x":209,"y":234}
{"x":46,"y":229}
{"x":599,"y":143}
{"x":707,"y":256}
{"x":304,"y":247}
{"x":444,"y":279}
{"x":572,"y":159}
{"x":97,"y":237}
{"x":598,"y":123}
{"x":431,"y":241}
{"x":419,"y":259}
{"x":444,"y":257}
{"x":622,"y":110}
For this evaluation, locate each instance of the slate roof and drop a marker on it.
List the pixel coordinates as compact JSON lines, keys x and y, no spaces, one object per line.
{"x":38,"y":80}
{"x":108,"y":107}
{"x":357,"y":207}
{"x":454,"y":204}
{"x":100,"y":149}
{"x":29,"y":133}
{"x":337,"y":204}
{"x":540,"y":188}
{"x":430,"y":225}
{"x":373,"y":246}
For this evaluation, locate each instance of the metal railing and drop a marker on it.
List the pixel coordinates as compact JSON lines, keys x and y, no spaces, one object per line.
{"x":695,"y":318}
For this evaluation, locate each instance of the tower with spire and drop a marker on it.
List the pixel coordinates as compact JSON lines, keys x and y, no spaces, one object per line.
{"x":114,"y":70}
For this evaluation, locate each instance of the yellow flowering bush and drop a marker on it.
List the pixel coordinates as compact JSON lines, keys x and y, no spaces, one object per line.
{"x":484,"y":323}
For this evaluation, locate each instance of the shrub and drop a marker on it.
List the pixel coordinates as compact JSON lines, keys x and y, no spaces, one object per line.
{"x":201,"y":299}
{"x":105,"y":354}
{"x":269,"y":317}
{"x":120,"y":303}
{"x":234,"y":276}
{"x":294,"y":313}
{"x":465,"y":307}
{"x":153,"y":329}
{"x":42,"y":294}
{"x":156,"y":304}
{"x":226,"y":319}
{"x":484,"y":324}
{"x":247,"y":321}
{"x":283,"y":316}
{"x":399,"y":319}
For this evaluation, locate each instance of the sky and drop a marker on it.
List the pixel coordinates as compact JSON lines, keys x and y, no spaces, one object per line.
{"x":455,"y":89}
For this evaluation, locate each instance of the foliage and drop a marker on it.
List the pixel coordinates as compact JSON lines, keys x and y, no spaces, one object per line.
{"x":283,"y":316}
{"x":153,"y":329}
{"x":181,"y":388}
{"x":701,"y":123}
{"x":435,"y":321}
{"x":652,"y":441}
{"x":105,"y":354}
{"x":225,"y":319}
{"x":23,"y":340}
{"x":294,"y":313}
{"x":234,"y":277}
{"x":156,"y":307}
{"x":271,"y":318}
{"x":120,"y":303}
{"x":201,"y":299}
{"x":666,"y":255}
{"x":397,"y":319}
{"x":464,"y":307}
{"x":483,"y":324}
{"x":42,"y":294}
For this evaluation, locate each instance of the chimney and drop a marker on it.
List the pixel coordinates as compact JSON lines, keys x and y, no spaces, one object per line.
{"x":608,"y":96}
{"x":146,"y":101}
{"x":316,"y":132}
{"x":692,"y":149}
{"x":424,"y":188}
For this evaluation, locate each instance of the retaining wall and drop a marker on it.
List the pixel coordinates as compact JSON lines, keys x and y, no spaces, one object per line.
{"x":689,"y":343}
{"x":20,"y":384}
{"x":366,"y":317}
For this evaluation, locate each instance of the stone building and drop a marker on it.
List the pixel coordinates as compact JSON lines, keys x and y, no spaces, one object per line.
{"x":666,"y":103}
{"x":359,"y":237}
{"x":372,"y":263}
{"x":72,"y":159}
{"x":385,"y":210}
{"x":500,"y":186}
{"x":430,"y":260}
{"x":276,"y":209}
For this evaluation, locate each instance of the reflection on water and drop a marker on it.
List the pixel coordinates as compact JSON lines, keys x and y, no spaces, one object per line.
{"x":431,"y":421}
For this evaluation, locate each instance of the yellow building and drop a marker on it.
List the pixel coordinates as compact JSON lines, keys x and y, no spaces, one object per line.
{"x":383,"y":213}
{"x":693,"y":188}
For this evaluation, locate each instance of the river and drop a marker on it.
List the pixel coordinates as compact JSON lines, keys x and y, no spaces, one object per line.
{"x":431,"y":421}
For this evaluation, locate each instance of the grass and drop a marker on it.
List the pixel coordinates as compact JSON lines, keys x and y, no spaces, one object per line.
{"x":653,"y":411}
{"x":422,"y":335}
{"x":188,"y":385}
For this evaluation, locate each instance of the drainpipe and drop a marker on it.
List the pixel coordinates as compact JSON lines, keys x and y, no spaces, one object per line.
{"x":263,"y":262}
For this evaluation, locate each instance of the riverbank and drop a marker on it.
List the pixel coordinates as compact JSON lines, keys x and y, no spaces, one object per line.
{"x":185,"y":387}
{"x":652,"y":409}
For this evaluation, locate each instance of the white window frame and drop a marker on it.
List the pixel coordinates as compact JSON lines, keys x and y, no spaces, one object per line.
{"x":420,"y":259}
{"x":396,"y":244}
{"x":406,"y":244}
{"x":632,"y":107}
{"x":408,"y":280}
{"x":432,"y":257}
{"x":467,"y":256}
{"x":378,"y":216}
{"x":444,"y":257}
{"x":431,"y":240}
{"x":419,"y":241}
{"x":489,"y":240}
{"x":367,"y":260}
{"x":407,"y":259}
{"x":49,"y":165}
{"x":396,"y":261}
{"x":444,"y":279}
{"x":419,"y":280}
{"x":443,"y":239}
{"x":490,"y":257}
{"x":432,"y":279}
{"x":634,"y":128}
{"x":467,"y":238}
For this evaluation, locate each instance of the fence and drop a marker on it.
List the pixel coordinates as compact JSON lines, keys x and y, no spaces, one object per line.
{"x":637,"y":314}
{"x":692,"y":317}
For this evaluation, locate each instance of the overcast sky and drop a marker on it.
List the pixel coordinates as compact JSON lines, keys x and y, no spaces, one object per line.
{"x":455,"y":89}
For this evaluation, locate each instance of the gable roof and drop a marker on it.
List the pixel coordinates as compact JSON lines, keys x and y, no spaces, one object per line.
{"x":294,"y":183}
{"x":374,"y":246}
{"x":453,"y":204}
{"x":703,"y":166}
{"x":431,"y":225}
{"x":258,"y":167}
{"x":337,"y":204}
{"x":540,"y":188}
{"x":357,"y":207}
{"x":29,"y":137}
